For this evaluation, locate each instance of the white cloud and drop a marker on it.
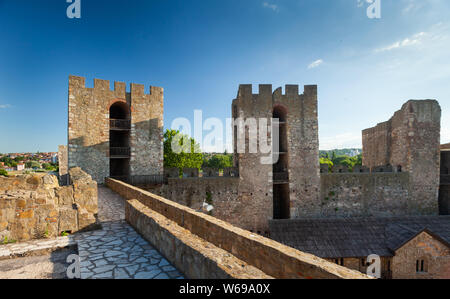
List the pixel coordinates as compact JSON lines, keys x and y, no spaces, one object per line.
{"x":271,"y":6}
{"x":5,"y":106}
{"x":315,"y":64}
{"x":411,"y":6}
{"x":346,"y":140}
{"x":409,"y":41}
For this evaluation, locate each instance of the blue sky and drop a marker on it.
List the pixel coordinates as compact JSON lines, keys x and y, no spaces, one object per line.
{"x":200,"y":51}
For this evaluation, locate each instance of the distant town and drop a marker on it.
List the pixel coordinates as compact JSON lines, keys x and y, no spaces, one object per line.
{"x":16,"y":163}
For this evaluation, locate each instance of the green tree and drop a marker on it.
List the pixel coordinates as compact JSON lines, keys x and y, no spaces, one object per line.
{"x":47,"y":166}
{"x":326,"y":161}
{"x":3,"y":172}
{"x":188,"y":154}
{"x":220,"y":161}
{"x":32,"y":164}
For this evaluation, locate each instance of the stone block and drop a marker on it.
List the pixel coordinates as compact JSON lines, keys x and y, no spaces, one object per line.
{"x":68,"y":220}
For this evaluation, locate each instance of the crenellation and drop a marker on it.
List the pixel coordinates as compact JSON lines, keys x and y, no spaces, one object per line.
{"x":77,"y":82}
{"x":310,"y":90}
{"x":101,"y":148}
{"x":245,"y":91}
{"x":101,"y":84}
{"x":291,"y":90}
{"x":265,"y":89}
{"x":137,"y":89}
{"x":120,"y":90}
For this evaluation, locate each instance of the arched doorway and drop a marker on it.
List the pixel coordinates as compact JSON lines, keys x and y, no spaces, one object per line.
{"x":119,"y":141}
{"x":281,"y":199}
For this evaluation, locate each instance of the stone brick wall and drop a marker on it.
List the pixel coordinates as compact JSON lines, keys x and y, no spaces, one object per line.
{"x":146,"y":130}
{"x":272,"y":258}
{"x":365,"y":194}
{"x":426,"y":247}
{"x":63,"y":164}
{"x":35,"y":206}
{"x":410,"y":139}
{"x":256,"y":187}
{"x":220,"y":192}
{"x":195,"y":257}
{"x":88,"y":129}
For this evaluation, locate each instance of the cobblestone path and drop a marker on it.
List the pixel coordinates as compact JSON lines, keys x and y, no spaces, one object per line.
{"x":117,"y":251}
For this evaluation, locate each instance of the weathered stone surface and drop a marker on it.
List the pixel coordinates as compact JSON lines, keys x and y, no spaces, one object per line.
{"x":213,"y":248}
{"x":433,"y":252}
{"x":65,"y":195}
{"x":410,"y":141}
{"x":85,"y":190}
{"x":35,"y":206}
{"x":89,"y":127}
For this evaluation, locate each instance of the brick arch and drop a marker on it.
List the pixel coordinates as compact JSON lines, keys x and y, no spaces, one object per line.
{"x":117,"y":100}
{"x":280,"y":108}
{"x":122,"y":102}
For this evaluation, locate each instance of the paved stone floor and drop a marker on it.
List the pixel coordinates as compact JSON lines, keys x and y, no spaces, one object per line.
{"x":115,"y":252}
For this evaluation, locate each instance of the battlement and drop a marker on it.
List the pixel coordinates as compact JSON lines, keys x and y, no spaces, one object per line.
{"x":208,"y":172}
{"x":76,"y":82}
{"x":246,"y":90}
{"x":324,"y":168}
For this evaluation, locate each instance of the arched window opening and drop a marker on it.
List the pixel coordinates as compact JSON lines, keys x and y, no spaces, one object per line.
{"x":119,"y":110}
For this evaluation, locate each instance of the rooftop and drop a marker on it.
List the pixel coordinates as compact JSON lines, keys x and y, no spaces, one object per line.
{"x":356,"y":237}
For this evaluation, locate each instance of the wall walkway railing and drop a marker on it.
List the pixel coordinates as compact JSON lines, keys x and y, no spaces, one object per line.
{"x":120,"y":124}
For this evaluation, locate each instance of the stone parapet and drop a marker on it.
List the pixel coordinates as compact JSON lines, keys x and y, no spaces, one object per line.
{"x":272,"y":258}
{"x":36,"y":206}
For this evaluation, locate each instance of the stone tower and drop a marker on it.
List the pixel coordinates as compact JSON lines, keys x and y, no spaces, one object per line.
{"x":115,"y":133}
{"x":409,"y":142}
{"x":290,"y":187}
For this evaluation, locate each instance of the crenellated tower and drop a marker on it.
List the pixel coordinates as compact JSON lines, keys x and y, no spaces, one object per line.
{"x":288,"y":188}
{"x":115,"y":133}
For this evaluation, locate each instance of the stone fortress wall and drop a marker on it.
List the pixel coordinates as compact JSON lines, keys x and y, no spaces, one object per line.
{"x":400,"y":175}
{"x":398,"y":184}
{"x":202,"y":246}
{"x":36,"y":206}
{"x":295,"y":182}
{"x":410,"y":142}
{"x":89,"y":128}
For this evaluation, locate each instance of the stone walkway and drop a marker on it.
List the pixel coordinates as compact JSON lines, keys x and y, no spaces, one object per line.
{"x":115,"y":252}
{"x":118,"y":251}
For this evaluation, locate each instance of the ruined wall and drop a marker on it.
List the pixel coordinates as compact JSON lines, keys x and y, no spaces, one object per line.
{"x":270,"y":257}
{"x":63,"y":164}
{"x":62,"y":160}
{"x":89,"y":127}
{"x":424,"y":246}
{"x":35,"y":206}
{"x":365,"y":194}
{"x":410,"y":140}
{"x":256,"y":187}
